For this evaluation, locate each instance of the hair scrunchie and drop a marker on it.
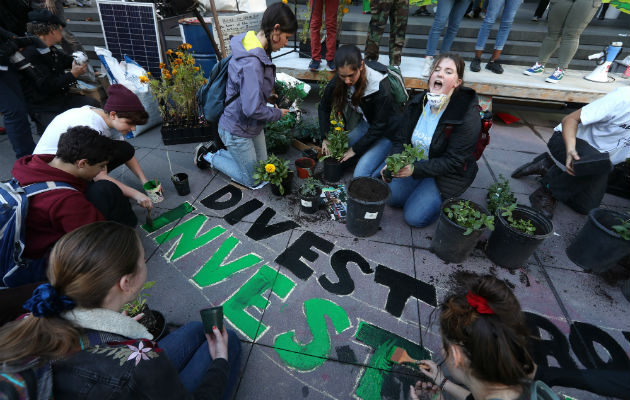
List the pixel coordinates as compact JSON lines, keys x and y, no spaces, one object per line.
{"x":478,"y":303}
{"x":46,"y":302}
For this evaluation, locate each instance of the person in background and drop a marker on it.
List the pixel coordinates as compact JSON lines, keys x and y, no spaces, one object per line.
{"x":566,"y":21}
{"x":331,"y":7}
{"x":451,"y":167}
{"x":76,"y":332}
{"x":251,"y":78}
{"x":397,"y":11}
{"x":598,"y":129}
{"x":120,"y":115}
{"x":509,"y":8}
{"x":69,"y":43}
{"x":47,"y":95}
{"x":540,"y":10}
{"x":359,"y":89}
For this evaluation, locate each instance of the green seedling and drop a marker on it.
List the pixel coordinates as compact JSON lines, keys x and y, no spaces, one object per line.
{"x":464,"y":215}
{"x":396,"y":162}
{"x":135,"y":307}
{"x":623,"y":229}
{"x":522,"y":225}
{"x":310,"y":187}
{"x":500,"y":195}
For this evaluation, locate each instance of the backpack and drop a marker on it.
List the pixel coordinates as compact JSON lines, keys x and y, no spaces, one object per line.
{"x":211,"y":96}
{"x":396,"y":81}
{"x":13,"y":209}
{"x":540,"y":391}
{"x":484,"y":134}
{"x":26,"y":383}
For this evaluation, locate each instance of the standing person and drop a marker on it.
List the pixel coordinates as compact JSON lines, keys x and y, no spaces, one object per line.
{"x":453,"y":11}
{"x":540,"y":10}
{"x":567,"y":19}
{"x":251,"y":78}
{"x":69,"y":43}
{"x":120,"y":115}
{"x":600,"y":127}
{"x":484,"y":339}
{"x":367,"y":92}
{"x":451,"y":168}
{"x":12,"y":103}
{"x":507,"y":17}
{"x":397,"y":11}
{"x":331,"y":7}
{"x":76,"y":332}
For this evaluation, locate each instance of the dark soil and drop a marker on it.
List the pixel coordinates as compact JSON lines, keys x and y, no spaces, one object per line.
{"x":367,"y":190}
{"x":153,"y":321}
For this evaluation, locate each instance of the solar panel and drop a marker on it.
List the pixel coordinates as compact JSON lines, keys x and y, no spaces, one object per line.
{"x":131,"y":29}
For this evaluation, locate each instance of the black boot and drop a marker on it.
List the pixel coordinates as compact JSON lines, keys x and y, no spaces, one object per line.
{"x":543,"y":201}
{"x":538,"y":166}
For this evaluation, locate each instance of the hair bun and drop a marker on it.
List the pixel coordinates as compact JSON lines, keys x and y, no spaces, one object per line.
{"x":47,"y":302}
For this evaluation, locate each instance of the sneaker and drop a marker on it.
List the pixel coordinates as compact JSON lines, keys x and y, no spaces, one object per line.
{"x":426,"y":68}
{"x":199,"y":161}
{"x":535,"y":18}
{"x":535,"y":70}
{"x":314,"y":65}
{"x":475,"y":65}
{"x":495,"y":67}
{"x":331,"y":65}
{"x":557,"y":75}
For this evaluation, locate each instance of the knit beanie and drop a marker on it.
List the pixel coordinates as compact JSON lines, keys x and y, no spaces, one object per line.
{"x":122,"y":99}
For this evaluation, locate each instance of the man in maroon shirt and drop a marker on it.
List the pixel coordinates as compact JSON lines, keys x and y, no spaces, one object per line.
{"x":82,"y":153}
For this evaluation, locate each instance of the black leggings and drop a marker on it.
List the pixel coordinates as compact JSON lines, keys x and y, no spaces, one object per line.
{"x":110,"y":201}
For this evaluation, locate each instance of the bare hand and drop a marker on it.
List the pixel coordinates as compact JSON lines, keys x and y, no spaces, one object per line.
{"x":571,"y":156}
{"x":143,"y":200}
{"x":137,"y":317}
{"x":284,"y":111}
{"x":325,"y":150}
{"x":78,"y":70}
{"x":423,"y":387}
{"x":404,"y":172}
{"x":430,"y":369}
{"x":348,"y":154}
{"x":218,"y":343}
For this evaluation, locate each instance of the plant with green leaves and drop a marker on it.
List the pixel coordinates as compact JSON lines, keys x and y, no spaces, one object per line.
{"x":523,"y":225}
{"x":289,"y":94}
{"x":396,"y":162}
{"x":310,"y":187}
{"x":500,"y":195}
{"x":623,"y":229}
{"x":135,"y":307}
{"x":273,"y":170}
{"x":278,"y":134}
{"x":337,"y":139}
{"x":323,"y":78}
{"x":307,"y":130}
{"x":466,"y":216}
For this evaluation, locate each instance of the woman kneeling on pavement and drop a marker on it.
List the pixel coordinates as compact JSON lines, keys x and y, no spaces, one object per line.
{"x":77,"y":332}
{"x":251,"y":78}
{"x":451,"y":167}
{"x":484,"y":339}
{"x":359,"y":92}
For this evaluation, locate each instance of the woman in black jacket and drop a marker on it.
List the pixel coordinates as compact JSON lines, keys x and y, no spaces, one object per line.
{"x":359,"y":92}
{"x":451,"y":167}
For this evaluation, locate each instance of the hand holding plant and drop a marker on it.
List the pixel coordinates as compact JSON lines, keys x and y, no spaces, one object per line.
{"x":396,"y":162}
{"x":466,"y":216}
{"x":272,"y":170}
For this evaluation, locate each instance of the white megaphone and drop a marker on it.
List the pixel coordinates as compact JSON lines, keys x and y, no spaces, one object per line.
{"x":604,"y":60}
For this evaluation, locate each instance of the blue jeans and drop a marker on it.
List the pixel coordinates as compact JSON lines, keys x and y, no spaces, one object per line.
{"x":240,"y":158}
{"x":358,"y":132}
{"x":370,"y":162}
{"x":454,"y":11}
{"x":13,"y":108}
{"x":494,"y":8}
{"x":419,"y":198}
{"x":187,"y":349}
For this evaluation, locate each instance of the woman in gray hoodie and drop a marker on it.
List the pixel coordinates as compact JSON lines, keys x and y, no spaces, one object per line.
{"x":251,"y":75}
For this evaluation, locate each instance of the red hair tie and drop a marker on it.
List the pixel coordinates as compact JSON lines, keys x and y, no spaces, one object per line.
{"x":478,"y":303}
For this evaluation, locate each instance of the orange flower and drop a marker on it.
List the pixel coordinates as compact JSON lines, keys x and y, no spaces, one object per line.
{"x":162,"y":65}
{"x":345,"y":10}
{"x":148,"y":74}
{"x":196,"y":68}
{"x":179,"y":54}
{"x":178,"y":61}
{"x":144,"y":79}
{"x":191,"y":61}
{"x":187,"y":46}
{"x":169,"y":52}
{"x":165,"y":71}
{"x":348,"y":1}
{"x":167,"y":75}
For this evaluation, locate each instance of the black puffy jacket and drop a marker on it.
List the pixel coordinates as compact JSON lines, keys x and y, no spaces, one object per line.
{"x":451,"y":161}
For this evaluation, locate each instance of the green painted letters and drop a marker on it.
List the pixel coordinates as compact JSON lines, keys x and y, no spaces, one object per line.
{"x":187,"y":234}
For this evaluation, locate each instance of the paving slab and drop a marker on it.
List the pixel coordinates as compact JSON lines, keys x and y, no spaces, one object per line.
{"x":517,"y":137}
{"x":505,"y":162}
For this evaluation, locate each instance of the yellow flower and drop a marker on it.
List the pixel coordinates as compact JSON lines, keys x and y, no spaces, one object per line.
{"x":349,"y":1}
{"x":333,"y":122}
{"x":337,"y":128}
{"x":174,"y":71}
{"x":178,"y":61}
{"x":179,"y":54}
{"x":148,"y":74}
{"x":270,"y":168}
{"x":144,"y":79}
{"x":169,"y":52}
{"x":196,"y":68}
{"x":167,"y":75}
{"x":285,"y":1}
{"x":185,"y":46}
{"x":345,"y":10}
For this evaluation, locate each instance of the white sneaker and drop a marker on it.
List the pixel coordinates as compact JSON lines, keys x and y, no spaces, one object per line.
{"x":426,"y":68}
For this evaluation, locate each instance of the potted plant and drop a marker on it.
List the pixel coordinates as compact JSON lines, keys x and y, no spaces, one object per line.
{"x":309,"y":193}
{"x":602,"y":241}
{"x":366,"y":201}
{"x":278,"y":134}
{"x":396,"y":162}
{"x":275,"y":171}
{"x":337,"y":146}
{"x":459,"y":227}
{"x":519,"y":230}
{"x":499,"y":195}
{"x":153,"y":320}
{"x":175,"y":93}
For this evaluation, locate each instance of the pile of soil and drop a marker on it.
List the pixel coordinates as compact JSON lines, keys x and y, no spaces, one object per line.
{"x":367,"y":190}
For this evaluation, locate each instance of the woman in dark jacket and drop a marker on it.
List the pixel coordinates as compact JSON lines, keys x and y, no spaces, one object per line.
{"x":359,"y":92}
{"x":76,"y":330}
{"x":451,"y":167}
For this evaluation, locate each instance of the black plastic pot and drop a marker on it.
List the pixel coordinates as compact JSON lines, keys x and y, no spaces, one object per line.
{"x":366,"y":202}
{"x":597,"y":247}
{"x":287,"y":184}
{"x":449,"y":242}
{"x":181,"y":183}
{"x":310,"y":204}
{"x":509,"y":247}
{"x":333,"y":170}
{"x":182,"y":134}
